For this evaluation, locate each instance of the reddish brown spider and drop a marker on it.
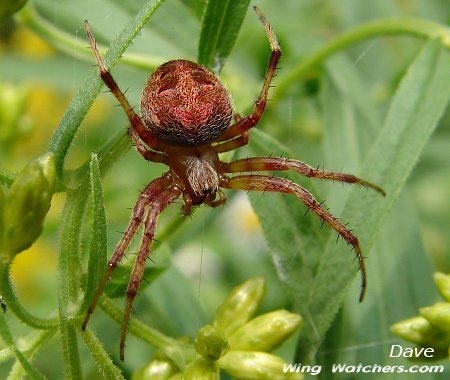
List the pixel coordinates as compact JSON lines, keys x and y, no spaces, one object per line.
{"x":185,"y":124}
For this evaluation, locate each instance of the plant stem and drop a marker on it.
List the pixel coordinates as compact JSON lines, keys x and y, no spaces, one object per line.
{"x":379,"y":28}
{"x":16,"y":307}
{"x":77,"y":47}
{"x":179,"y":352}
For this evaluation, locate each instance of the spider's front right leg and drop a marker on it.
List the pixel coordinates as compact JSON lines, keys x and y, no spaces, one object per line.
{"x":244,"y":124}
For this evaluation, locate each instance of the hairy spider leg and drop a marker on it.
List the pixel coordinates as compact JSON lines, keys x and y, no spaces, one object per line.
{"x":158,"y":188}
{"x":281,"y":185}
{"x":251,"y":120}
{"x":281,"y":164}
{"x":137,"y":131}
{"x":158,"y":204}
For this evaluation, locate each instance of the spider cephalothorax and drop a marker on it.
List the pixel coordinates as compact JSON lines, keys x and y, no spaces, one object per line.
{"x":185,"y":124}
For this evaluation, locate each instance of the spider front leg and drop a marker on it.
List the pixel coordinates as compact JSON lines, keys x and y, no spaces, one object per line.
{"x":251,"y":120}
{"x":137,"y":131}
{"x":281,"y":185}
{"x":282,"y":164}
{"x":157,"y":195}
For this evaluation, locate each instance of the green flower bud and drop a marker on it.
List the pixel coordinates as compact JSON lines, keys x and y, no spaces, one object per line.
{"x":438,"y":315}
{"x":255,"y":365}
{"x":201,"y":369}
{"x":9,"y":7}
{"x":266,"y":332}
{"x":210,"y":343}
{"x":240,"y":305}
{"x":158,"y":369}
{"x":26,"y":205}
{"x":418,"y":330}
{"x":442,"y":282}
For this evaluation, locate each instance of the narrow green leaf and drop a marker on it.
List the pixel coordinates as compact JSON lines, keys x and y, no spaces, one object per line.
{"x":414,"y":112}
{"x":30,"y":344}
{"x":14,"y":305}
{"x":220,"y":27}
{"x":318,"y":271}
{"x":69,"y":278}
{"x":9,"y":341}
{"x":98,"y":239}
{"x":80,"y":104}
{"x":101,"y":357}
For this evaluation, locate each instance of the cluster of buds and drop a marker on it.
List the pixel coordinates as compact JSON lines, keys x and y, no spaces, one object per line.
{"x":431,"y":328}
{"x":235,"y":342}
{"x":24,"y":206}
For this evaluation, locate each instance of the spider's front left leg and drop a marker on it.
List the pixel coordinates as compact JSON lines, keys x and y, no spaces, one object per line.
{"x":251,"y":120}
{"x":281,"y":185}
{"x":137,"y":131}
{"x":281,"y":164}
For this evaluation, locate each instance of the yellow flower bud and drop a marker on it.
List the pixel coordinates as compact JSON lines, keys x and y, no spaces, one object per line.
{"x":438,"y":315}
{"x":26,"y":205}
{"x":442,"y":282}
{"x":211,"y":343}
{"x":418,"y":330}
{"x":240,"y":305}
{"x":158,"y":369}
{"x":266,"y":332}
{"x":201,"y":369}
{"x":255,"y":365}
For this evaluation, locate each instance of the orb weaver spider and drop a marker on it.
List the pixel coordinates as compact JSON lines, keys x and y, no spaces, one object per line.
{"x":186,"y":122}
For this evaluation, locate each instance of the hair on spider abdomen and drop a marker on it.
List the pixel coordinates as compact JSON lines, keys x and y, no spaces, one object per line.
{"x":183,"y":103}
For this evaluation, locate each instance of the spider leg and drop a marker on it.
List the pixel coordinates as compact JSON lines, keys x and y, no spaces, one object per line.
{"x":232,"y":144}
{"x":281,"y":185}
{"x":282,"y":164}
{"x":138,"y":129}
{"x":251,"y":120}
{"x":151,"y":192}
{"x":159,"y":203}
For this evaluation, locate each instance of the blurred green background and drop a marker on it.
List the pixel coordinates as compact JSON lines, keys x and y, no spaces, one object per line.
{"x":218,"y":248}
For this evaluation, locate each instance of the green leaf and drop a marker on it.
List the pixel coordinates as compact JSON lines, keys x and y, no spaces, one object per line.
{"x":318,"y":271}
{"x":101,"y":357}
{"x":98,"y":239}
{"x":5,"y":333}
{"x":220,"y":27}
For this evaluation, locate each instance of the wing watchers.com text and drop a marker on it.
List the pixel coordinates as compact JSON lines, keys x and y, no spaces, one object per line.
{"x":363,"y":368}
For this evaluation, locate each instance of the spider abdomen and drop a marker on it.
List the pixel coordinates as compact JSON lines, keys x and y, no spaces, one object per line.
{"x":185,"y":104}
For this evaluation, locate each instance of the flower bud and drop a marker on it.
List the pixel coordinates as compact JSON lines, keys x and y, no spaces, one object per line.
{"x":26,"y":205}
{"x":240,"y":305}
{"x":266,"y":332}
{"x":210,"y":343}
{"x":201,"y":369}
{"x":255,"y":365}
{"x":442,"y":282}
{"x":418,"y":330}
{"x":438,"y":315}
{"x":158,"y":369}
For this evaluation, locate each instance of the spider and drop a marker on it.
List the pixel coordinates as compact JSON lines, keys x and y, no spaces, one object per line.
{"x":186,"y":121}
